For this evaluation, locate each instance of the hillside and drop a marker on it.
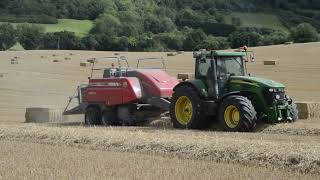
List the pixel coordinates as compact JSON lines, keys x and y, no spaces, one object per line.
{"x":161,"y":25}
{"x":80,"y":27}
{"x":259,"y":20}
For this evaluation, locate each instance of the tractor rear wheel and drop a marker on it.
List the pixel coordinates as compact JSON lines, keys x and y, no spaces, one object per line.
{"x":236,"y":113}
{"x":109,"y":116}
{"x":92,"y":116}
{"x":186,"y":110}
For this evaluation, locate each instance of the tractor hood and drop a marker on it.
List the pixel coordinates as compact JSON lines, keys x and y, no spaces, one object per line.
{"x":255,"y":81}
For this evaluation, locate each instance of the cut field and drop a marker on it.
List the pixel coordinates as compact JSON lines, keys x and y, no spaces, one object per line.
{"x":20,"y":160}
{"x":17,"y":47}
{"x":286,"y":147}
{"x":79,"y":27}
{"x":260,"y":20}
{"x":280,"y":151}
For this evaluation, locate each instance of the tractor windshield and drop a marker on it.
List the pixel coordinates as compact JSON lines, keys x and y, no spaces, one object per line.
{"x":227,"y":66}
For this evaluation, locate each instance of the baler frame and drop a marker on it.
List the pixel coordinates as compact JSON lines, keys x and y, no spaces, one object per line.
{"x":152,"y":58}
{"x":118,"y":58}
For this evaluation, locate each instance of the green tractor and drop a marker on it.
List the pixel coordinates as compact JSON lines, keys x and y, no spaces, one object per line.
{"x":222,"y":90}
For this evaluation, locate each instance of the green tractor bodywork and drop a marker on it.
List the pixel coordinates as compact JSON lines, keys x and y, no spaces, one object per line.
{"x":219,"y":75}
{"x":271,"y":106}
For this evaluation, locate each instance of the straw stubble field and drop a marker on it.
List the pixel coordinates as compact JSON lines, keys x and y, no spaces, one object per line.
{"x":70,"y":150}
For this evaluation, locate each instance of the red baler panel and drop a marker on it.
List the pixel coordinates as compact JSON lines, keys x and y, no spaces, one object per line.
{"x":113,"y":91}
{"x":132,"y":90}
{"x":157,"y":83}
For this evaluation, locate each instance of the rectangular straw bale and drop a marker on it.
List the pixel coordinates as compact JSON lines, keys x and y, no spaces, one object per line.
{"x":270,"y":62}
{"x":85,"y":64}
{"x":185,"y":76}
{"x":14,"y":61}
{"x":43,"y":115}
{"x":308,"y":110}
{"x":171,"y":54}
{"x":92,"y":60}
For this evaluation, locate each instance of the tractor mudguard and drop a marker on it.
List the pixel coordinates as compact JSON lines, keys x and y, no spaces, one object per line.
{"x":229,"y":94}
{"x":197,"y":84}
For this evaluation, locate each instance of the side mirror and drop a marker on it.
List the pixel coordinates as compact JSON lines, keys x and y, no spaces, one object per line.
{"x":252,"y":58}
{"x":89,"y":78}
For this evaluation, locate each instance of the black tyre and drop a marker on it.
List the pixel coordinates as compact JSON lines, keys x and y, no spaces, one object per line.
{"x":92,"y":116}
{"x":294,"y":113}
{"x":185,"y":109}
{"x":109,"y":117}
{"x":236,"y":113}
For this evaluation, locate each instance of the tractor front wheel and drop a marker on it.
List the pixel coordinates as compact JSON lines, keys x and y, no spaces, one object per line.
{"x":185,"y":109}
{"x":92,"y":116}
{"x":236,"y":113}
{"x":294,"y":113}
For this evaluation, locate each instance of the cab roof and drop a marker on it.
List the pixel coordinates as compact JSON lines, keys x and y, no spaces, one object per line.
{"x":218,"y":53}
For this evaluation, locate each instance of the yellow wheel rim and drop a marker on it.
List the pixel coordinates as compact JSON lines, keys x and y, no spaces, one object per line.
{"x":232,"y":116}
{"x":183,"y":110}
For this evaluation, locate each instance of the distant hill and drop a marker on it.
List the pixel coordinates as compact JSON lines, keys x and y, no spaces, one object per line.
{"x":165,"y":24}
{"x":215,"y":10}
{"x":257,"y":19}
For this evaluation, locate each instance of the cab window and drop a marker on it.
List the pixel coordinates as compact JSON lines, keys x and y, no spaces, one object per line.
{"x":230,"y":66}
{"x":204,"y":66}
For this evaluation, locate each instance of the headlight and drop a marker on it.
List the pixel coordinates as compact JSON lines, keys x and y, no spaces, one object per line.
{"x":276,"y":90}
{"x":271,"y":90}
{"x":278,"y":97}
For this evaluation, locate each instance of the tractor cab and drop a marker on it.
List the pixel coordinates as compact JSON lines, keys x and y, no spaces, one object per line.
{"x":215,"y":68}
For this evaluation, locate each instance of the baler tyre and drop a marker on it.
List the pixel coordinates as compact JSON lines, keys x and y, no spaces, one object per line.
{"x":109,"y":117}
{"x":294,"y":113}
{"x":185,"y":109}
{"x":236,"y":113}
{"x":92,"y":116}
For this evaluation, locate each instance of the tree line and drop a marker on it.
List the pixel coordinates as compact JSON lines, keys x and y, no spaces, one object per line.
{"x":33,"y":37}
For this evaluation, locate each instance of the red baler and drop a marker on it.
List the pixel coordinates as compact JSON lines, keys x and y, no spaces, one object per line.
{"x":124,"y":95}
